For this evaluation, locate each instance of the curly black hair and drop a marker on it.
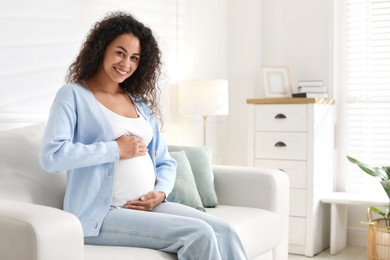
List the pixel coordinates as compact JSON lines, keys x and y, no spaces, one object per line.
{"x":143,"y":83}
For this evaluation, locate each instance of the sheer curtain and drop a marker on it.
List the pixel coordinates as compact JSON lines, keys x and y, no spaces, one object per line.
{"x":363,"y":69}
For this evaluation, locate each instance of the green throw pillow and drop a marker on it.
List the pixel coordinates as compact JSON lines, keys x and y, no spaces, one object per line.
{"x":201,"y":165}
{"x":184,"y":191}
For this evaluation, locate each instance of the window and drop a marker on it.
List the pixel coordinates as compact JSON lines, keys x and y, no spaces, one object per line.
{"x":363,"y":91}
{"x":42,"y":38}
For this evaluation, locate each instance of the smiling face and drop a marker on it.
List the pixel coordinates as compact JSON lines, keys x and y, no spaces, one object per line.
{"x":121,"y":58}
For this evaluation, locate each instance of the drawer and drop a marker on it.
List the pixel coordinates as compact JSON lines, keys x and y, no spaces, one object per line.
{"x":297,"y":231}
{"x":296,"y":170}
{"x":281,"y":118}
{"x":271,"y":145}
{"x":297,"y":202}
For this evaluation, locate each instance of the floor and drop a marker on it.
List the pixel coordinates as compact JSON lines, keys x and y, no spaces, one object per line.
{"x":349,"y":253}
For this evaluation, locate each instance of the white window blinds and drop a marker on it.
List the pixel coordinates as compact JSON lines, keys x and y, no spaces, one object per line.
{"x":41,"y":38}
{"x":365,"y":92}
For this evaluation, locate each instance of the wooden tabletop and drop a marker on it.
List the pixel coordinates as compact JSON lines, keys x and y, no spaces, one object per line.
{"x":259,"y":101}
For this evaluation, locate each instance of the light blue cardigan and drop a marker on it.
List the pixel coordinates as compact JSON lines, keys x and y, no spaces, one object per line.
{"x":78,"y":138}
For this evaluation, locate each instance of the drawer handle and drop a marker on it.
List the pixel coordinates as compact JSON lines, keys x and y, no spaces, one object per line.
{"x":280,"y":116}
{"x":280,"y":144}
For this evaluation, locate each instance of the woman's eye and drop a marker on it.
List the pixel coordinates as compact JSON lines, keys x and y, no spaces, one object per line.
{"x":135,"y":58}
{"x":119,"y":53}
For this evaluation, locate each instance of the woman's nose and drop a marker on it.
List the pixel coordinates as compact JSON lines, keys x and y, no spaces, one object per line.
{"x":125,"y":62}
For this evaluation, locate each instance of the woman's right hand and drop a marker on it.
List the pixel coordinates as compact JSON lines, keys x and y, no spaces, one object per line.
{"x":130,"y":146}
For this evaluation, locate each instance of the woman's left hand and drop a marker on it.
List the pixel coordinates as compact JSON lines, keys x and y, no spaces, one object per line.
{"x":146,"y":202}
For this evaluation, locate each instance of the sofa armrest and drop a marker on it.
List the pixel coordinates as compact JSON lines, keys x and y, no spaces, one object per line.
{"x":252,"y":187}
{"x":256,"y":187}
{"x":30,"y":231}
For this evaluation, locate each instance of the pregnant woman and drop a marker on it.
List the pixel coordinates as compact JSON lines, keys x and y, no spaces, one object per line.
{"x":103,"y":131}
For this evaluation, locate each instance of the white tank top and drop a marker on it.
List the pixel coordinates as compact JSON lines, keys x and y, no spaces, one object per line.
{"x":136,"y":176}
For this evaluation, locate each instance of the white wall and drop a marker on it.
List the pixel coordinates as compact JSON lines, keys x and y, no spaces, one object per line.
{"x":244,"y":61}
{"x":40,"y":39}
{"x":295,"y":33}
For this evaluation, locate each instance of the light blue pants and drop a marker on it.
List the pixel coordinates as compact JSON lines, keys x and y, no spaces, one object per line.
{"x":174,"y":228}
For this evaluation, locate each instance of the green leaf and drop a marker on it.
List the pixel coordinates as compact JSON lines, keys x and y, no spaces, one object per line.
{"x":373,"y":171}
{"x":387,"y":170}
{"x":386,"y":187}
{"x":377,"y":211}
{"x":383,"y":173}
{"x":368,"y":222}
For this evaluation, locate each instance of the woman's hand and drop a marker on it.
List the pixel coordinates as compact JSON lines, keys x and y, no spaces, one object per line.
{"x":146,"y":202}
{"x":130,"y":146}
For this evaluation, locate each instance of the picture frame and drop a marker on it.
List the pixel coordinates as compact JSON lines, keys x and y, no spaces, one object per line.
{"x":276,"y":81}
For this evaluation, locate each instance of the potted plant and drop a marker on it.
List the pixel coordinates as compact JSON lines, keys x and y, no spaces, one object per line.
{"x":378,"y":229}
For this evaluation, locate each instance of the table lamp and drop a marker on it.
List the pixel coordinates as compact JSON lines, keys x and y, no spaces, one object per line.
{"x":204,"y":98}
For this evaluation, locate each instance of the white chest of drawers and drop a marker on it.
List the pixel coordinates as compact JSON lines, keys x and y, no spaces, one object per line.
{"x":297,"y":136}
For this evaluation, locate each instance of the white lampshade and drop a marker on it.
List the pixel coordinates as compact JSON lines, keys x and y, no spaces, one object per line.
{"x":203,"y":97}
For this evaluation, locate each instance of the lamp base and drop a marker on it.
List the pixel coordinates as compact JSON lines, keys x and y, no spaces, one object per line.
{"x":204,"y":129}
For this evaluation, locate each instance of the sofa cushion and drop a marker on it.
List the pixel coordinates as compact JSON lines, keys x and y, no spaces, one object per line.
{"x":184,"y":191}
{"x":201,"y":165}
{"x":259,"y":230}
{"x":21,"y":177}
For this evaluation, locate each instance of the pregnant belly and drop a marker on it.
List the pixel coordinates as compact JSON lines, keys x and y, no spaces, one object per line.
{"x":133,"y":178}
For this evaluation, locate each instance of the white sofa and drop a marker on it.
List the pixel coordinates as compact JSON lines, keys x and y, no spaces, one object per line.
{"x":33,"y":226}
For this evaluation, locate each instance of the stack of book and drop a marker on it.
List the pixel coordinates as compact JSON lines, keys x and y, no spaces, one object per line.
{"x":311,"y":88}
